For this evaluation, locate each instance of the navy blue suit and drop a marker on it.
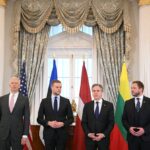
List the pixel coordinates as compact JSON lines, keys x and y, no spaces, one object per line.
{"x":55,"y":138}
{"x":103,"y":124}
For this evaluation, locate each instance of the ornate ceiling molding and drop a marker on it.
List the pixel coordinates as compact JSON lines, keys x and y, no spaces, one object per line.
{"x":3,"y":2}
{"x":144,"y":2}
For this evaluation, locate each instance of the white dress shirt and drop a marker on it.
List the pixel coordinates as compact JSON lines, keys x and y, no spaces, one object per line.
{"x":15,"y":97}
{"x":140,"y":100}
{"x":58,"y":101}
{"x":99,"y":104}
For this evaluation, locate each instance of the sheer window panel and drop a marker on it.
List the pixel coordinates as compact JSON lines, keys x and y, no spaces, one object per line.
{"x":86,"y":29}
{"x":63,"y":69}
{"x":66,"y":89}
{"x":69,"y":72}
{"x":54,"y":30}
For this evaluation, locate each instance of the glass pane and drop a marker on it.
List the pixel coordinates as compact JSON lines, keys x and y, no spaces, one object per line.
{"x":56,"y":30}
{"x":78,"y":67}
{"x":63,"y":67}
{"x":86,"y":29}
{"x":65,"y":87}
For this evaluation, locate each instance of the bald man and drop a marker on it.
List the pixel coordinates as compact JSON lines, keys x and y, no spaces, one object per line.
{"x":14,"y":118}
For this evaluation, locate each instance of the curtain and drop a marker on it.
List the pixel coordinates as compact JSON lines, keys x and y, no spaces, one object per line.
{"x":72,"y":14}
{"x":110,"y":48}
{"x":108,"y":18}
{"x":32,"y":49}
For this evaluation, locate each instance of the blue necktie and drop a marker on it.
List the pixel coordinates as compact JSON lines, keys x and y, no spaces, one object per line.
{"x":55,"y":104}
{"x":138,"y":105}
{"x":97,"y":110}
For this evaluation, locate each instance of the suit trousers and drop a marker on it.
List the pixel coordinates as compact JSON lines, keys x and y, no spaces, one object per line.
{"x":94,"y":145}
{"x":9,"y":143}
{"x":55,"y":143}
{"x":138,"y":144}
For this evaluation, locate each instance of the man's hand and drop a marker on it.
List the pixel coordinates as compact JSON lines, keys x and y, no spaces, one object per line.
{"x":59,"y":124}
{"x":52,"y":124}
{"x":131,"y":130}
{"x":92,"y":136}
{"x":99,"y":136}
{"x":23,"y":140}
{"x":55,"y":124}
{"x":138,"y":133}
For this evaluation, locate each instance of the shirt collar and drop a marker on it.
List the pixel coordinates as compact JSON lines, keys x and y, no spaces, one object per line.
{"x":15,"y":94}
{"x":53,"y":96}
{"x":99,"y":101}
{"x":140,"y":97}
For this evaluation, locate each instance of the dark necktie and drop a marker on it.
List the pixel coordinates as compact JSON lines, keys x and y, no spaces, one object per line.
{"x":138,"y":104}
{"x":97,"y":110}
{"x":55,"y":104}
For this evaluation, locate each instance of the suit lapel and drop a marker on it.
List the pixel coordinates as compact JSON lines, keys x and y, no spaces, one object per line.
{"x":7,"y":102}
{"x":133,"y":104}
{"x":91,"y":108}
{"x":17,"y":102}
{"x":61,"y":104}
{"x":102,"y":108}
{"x":143,"y":104}
{"x":50,"y":104}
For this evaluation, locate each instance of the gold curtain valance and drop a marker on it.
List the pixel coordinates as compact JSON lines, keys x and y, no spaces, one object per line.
{"x":72,"y":14}
{"x":3,"y":2}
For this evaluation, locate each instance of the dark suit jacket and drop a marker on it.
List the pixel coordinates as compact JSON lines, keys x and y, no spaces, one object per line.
{"x":17,"y":122}
{"x":103,"y":124}
{"x":46,"y":114}
{"x":128,"y":118}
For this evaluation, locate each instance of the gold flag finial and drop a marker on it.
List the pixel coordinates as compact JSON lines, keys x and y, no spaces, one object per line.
{"x":74,"y":106}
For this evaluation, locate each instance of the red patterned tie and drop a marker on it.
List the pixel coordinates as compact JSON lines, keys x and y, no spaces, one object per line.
{"x":11,"y":103}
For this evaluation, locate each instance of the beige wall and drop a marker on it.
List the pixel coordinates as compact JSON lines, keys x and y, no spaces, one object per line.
{"x":7,"y":42}
{"x":2,"y":28}
{"x":134,"y":54}
{"x":144,"y":46}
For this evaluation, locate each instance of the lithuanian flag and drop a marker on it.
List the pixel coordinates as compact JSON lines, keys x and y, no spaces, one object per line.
{"x":118,"y":134}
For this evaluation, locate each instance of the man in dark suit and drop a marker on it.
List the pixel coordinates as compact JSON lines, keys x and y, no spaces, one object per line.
{"x":14,"y":118}
{"x":136,"y":118}
{"x":97,"y":120}
{"x":55,"y":114}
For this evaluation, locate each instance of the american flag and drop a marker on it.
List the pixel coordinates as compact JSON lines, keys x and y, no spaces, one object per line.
{"x":24,"y":92}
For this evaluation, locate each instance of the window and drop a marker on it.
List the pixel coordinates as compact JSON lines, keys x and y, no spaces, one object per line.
{"x":58,"y":29}
{"x":70,"y":51}
{"x":69,"y":72}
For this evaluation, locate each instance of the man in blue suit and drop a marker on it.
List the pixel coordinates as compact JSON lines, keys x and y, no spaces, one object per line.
{"x":55,"y":114}
{"x":97,"y":120}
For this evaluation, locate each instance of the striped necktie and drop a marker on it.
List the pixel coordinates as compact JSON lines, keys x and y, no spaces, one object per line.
{"x":138,"y":104}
